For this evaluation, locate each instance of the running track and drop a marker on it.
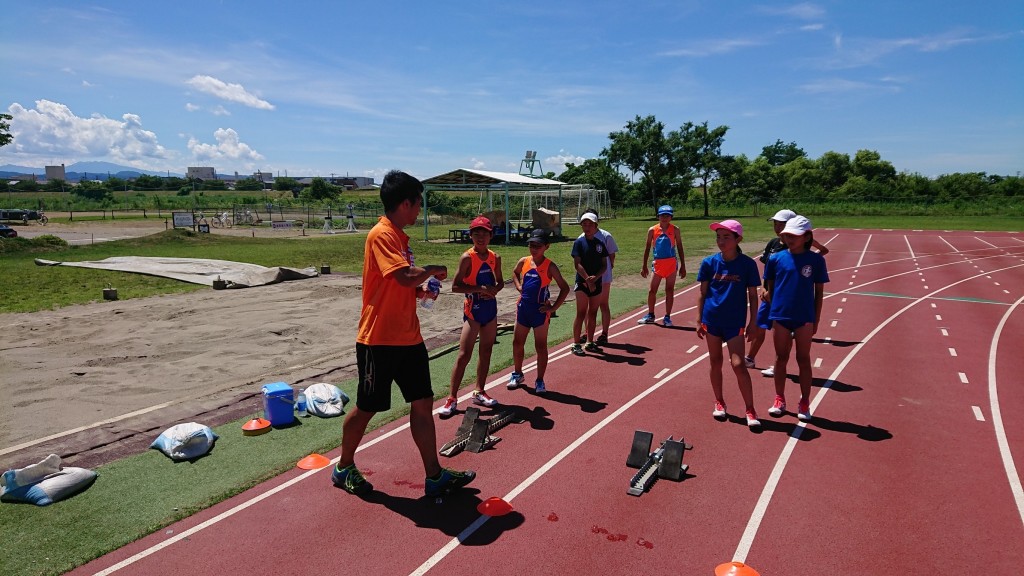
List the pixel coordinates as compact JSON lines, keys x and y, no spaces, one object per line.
{"x":911,"y":464}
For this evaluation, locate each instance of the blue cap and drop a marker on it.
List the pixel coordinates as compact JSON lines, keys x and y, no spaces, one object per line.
{"x":666,"y":209}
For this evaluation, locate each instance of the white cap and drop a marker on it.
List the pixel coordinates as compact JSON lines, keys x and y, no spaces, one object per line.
{"x":797,"y":226}
{"x":589,"y":216}
{"x":783,"y":215}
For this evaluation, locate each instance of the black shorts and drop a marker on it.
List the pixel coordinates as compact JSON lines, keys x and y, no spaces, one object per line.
{"x":379,"y":366}
{"x":582,"y":287}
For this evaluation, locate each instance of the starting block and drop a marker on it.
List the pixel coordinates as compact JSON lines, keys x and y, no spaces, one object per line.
{"x":665,"y":462}
{"x":474,"y":434}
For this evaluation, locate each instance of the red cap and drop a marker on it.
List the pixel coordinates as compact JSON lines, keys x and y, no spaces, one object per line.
{"x":481,"y":222}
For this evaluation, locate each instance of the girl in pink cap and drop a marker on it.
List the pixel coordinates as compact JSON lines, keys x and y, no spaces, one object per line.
{"x":726,"y":311}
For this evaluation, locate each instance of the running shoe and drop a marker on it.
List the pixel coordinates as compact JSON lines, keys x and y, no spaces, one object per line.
{"x":803,"y":410}
{"x":748,"y":361}
{"x":667,"y":320}
{"x":648,"y":319}
{"x":592,"y":347}
{"x":752,"y":420}
{"x":583,"y":339}
{"x":602,"y":339}
{"x":719,"y":411}
{"x":768,"y":372}
{"x":515,"y":380}
{"x":449,"y":406}
{"x":778,"y":407}
{"x":483,"y":399}
{"x":577,"y":350}
{"x":446,"y":481}
{"x":350,"y":480}
{"x":538,"y":387}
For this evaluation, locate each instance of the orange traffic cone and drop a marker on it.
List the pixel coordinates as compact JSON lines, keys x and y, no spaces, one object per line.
{"x":735,"y":569}
{"x":256,"y":426}
{"x":313,"y":462}
{"x":494,"y":506}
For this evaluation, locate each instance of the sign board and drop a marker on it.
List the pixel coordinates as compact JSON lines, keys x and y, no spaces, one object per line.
{"x":183,"y":220}
{"x":204,"y":228}
{"x":281,"y":224}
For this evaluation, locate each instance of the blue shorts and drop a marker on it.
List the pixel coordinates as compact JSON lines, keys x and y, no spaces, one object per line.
{"x":762,"y":316}
{"x":531,"y":316}
{"x":789,"y":325}
{"x":725,"y":334}
{"x":482,"y":311}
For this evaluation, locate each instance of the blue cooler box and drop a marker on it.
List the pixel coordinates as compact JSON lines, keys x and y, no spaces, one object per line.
{"x":278,"y":404}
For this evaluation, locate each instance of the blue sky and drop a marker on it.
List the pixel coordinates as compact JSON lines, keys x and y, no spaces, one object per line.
{"x":315,"y":88}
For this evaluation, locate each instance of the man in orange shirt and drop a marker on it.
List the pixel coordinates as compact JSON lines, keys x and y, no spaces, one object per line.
{"x":389,"y":346}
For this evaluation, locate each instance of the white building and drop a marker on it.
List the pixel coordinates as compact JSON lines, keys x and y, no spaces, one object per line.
{"x":55,"y":173}
{"x":201,"y":173}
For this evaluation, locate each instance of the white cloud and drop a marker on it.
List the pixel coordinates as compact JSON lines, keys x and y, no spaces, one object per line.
{"x":227,"y":148}
{"x":221,"y":111}
{"x":802,"y":11}
{"x":191,"y":107}
{"x":557,"y":162}
{"x":712,"y":47}
{"x":230,"y":92}
{"x":86,"y":84}
{"x":477,"y":164}
{"x":843,"y":86}
{"x":53,"y":130}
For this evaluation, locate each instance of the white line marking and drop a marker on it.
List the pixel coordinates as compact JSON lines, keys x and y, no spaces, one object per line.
{"x":853,"y":275}
{"x":692,"y":348}
{"x":828,"y":339}
{"x":839,"y":310}
{"x":944,"y":332}
{"x":661,"y":373}
{"x":963,"y":378}
{"x":938,"y":317}
{"x":1006,"y":291}
{"x":925,"y":286}
{"x":817,"y":363}
{"x":834,"y":322}
{"x":747,"y":539}
{"x":912,"y":255}
{"x":948,"y":244}
{"x":843,"y":300}
{"x":997,"y":415}
{"x":977,"y":414}
{"x":934,"y":305}
{"x":952,"y":352}
{"x":465,"y":534}
{"x":984,"y":242}
{"x":998,"y":284}
{"x":864,"y":251}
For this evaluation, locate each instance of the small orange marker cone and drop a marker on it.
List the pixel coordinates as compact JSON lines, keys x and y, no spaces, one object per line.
{"x":313,"y":462}
{"x":494,"y":506}
{"x":735,"y":569}
{"x":256,"y":426}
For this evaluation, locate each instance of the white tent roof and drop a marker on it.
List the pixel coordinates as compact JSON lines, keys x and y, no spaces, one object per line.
{"x":483,"y":177}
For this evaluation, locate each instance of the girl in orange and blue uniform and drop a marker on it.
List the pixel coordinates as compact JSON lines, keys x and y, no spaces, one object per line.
{"x":479,"y":278}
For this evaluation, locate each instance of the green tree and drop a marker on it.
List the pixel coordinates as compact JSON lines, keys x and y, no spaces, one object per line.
{"x":598,"y":173}
{"x":321,"y":189}
{"x":779,"y":154}
{"x":27,"y":186}
{"x":5,"y":129}
{"x":116,"y":184}
{"x":835,"y":170}
{"x":248,"y":184}
{"x":285,"y":184}
{"x":697,"y":149}
{"x":643,"y":148}
{"x":147,"y":182}
{"x":801,"y":179}
{"x":56,"y":185}
{"x":869,"y":164}
{"x":92,"y":190}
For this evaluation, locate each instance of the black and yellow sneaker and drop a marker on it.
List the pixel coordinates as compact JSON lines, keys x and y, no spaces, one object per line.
{"x":351,"y":480}
{"x":446,"y":481}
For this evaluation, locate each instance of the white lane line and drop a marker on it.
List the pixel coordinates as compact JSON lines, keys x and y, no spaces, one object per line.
{"x":817,"y":363}
{"x":938,"y":317}
{"x":934,"y":305}
{"x":925,"y":286}
{"x":984,"y":242}
{"x":843,"y":300}
{"x":912,"y":255}
{"x":828,"y":339}
{"x":839,"y":310}
{"x":661,"y":373}
{"x":948,"y":244}
{"x":977,"y":414}
{"x":963,"y":378}
{"x":692,"y":348}
{"x":86,"y":427}
{"x":864,"y":251}
{"x":997,"y":415}
{"x":952,"y":352}
{"x":747,"y":539}
{"x":468,"y":532}
{"x":944,"y":332}
{"x":998,"y":284}
{"x":834,"y":322}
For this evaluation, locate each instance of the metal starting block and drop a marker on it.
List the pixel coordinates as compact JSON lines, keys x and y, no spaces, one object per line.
{"x":665,"y":462}
{"x":474,"y":434}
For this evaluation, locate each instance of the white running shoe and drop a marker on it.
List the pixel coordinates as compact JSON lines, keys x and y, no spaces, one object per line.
{"x":768,"y":372}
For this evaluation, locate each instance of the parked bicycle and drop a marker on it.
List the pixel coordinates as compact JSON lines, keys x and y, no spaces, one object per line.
{"x":222,"y":220}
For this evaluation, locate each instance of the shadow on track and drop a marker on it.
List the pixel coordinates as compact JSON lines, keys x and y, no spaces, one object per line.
{"x":451,"y":516}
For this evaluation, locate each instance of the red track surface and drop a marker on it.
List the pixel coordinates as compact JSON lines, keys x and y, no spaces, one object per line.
{"x":902,"y":470}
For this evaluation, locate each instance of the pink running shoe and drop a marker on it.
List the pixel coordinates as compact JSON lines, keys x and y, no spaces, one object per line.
{"x":752,"y":420}
{"x":719,"y":411}
{"x":803,"y":410}
{"x":483,"y":399}
{"x":449,"y":406}
{"x":778,"y":407}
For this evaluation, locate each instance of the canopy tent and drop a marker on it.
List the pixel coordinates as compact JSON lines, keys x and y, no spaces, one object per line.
{"x":520,"y":198}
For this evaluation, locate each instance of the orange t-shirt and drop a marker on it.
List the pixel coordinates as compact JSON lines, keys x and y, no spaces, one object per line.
{"x":389,"y":309}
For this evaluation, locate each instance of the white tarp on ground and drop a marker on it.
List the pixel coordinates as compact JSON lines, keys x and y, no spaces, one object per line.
{"x":195,"y":270}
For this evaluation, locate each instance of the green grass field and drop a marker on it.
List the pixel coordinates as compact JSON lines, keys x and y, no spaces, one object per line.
{"x":146,"y":492}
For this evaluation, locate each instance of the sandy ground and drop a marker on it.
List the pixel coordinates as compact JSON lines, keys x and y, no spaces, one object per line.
{"x":96,"y":382}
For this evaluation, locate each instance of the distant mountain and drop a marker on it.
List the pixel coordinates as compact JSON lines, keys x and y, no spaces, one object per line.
{"x":90,"y":170}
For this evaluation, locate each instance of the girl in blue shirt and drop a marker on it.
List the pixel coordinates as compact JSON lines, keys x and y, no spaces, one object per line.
{"x":795,"y":283}
{"x":728,"y":302}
